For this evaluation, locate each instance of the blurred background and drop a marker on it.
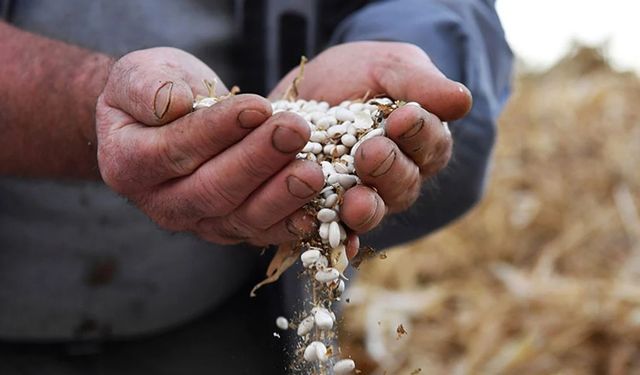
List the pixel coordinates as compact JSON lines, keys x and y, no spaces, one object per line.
{"x":543,"y":277}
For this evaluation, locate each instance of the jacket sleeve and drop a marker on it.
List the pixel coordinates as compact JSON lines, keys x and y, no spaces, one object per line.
{"x":465,"y":40}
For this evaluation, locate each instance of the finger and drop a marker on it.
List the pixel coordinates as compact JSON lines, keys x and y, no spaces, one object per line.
{"x":157,"y":94}
{"x":289,"y":190}
{"x":422,"y":137}
{"x":414,"y":77}
{"x":362,"y":209}
{"x":148,"y":156}
{"x":223,"y":183}
{"x":380,"y":164}
{"x":299,"y":224}
{"x":293,"y":187}
{"x":353,"y":245}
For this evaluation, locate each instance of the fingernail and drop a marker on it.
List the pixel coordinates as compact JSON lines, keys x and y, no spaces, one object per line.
{"x":384,"y":165}
{"x":291,"y":228}
{"x":413,"y":130}
{"x":298,"y":188}
{"x":286,"y":140}
{"x":162,"y":99}
{"x":250,"y":118}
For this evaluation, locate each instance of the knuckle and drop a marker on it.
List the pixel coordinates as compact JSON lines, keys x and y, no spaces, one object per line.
{"x":432,"y":120}
{"x":217,"y":200}
{"x":111,"y":161}
{"x":176,"y":159}
{"x":258,"y":168}
{"x":232,"y":229}
{"x":408,"y":197}
{"x":436,"y":153}
{"x":436,"y":160}
{"x":442,"y":150}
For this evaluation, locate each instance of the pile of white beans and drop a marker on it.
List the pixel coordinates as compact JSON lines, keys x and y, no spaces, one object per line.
{"x":336,"y":134}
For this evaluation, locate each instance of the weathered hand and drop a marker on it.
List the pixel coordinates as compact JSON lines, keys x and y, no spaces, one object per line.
{"x":419,"y":142}
{"x":224,"y":172}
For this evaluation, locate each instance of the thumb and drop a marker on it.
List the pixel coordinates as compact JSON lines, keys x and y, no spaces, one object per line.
{"x":151,"y":95}
{"x":418,"y":79}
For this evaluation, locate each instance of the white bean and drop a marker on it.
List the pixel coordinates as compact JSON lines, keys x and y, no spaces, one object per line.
{"x":316,"y":116}
{"x":352,"y":130}
{"x":321,"y":352}
{"x":323,"y":231}
{"x":322,"y":262}
{"x":343,"y":114}
{"x":343,"y":233}
{"x":344,"y":366}
{"x":327,"y":275}
{"x":306,"y":325}
{"x":348,"y":159}
{"x":310,"y":257}
{"x":363,"y":120}
{"x":327,"y":191}
{"x":339,"y":150}
{"x":331,"y":200}
{"x":336,"y":131}
{"x":318,"y":136}
{"x":323,"y":319}
{"x":282,"y":323}
{"x":310,"y":353}
{"x":347,"y":180}
{"x":333,"y":178}
{"x":311,"y":147}
{"x":329,"y":148}
{"x":340,"y":168}
{"x":310,"y":106}
{"x":334,"y":234}
{"x":323,"y":105}
{"x":327,"y":168}
{"x":325,"y":122}
{"x":348,"y":140}
{"x":355,"y":107}
{"x":326,"y":215}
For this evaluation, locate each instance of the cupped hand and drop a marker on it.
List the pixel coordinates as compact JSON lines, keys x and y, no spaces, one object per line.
{"x":418,"y":143}
{"x":226,"y":173}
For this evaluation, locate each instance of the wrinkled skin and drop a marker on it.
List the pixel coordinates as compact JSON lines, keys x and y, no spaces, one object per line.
{"x":228,"y":173}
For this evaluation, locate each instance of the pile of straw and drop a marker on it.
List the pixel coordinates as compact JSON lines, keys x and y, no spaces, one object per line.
{"x":544,"y":276}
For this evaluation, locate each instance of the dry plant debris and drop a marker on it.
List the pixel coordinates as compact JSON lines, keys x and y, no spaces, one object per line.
{"x":544,"y":276}
{"x":400,"y":331}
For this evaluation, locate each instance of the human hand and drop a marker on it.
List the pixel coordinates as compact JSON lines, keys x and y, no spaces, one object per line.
{"x":418,"y":142}
{"x":225,"y":173}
